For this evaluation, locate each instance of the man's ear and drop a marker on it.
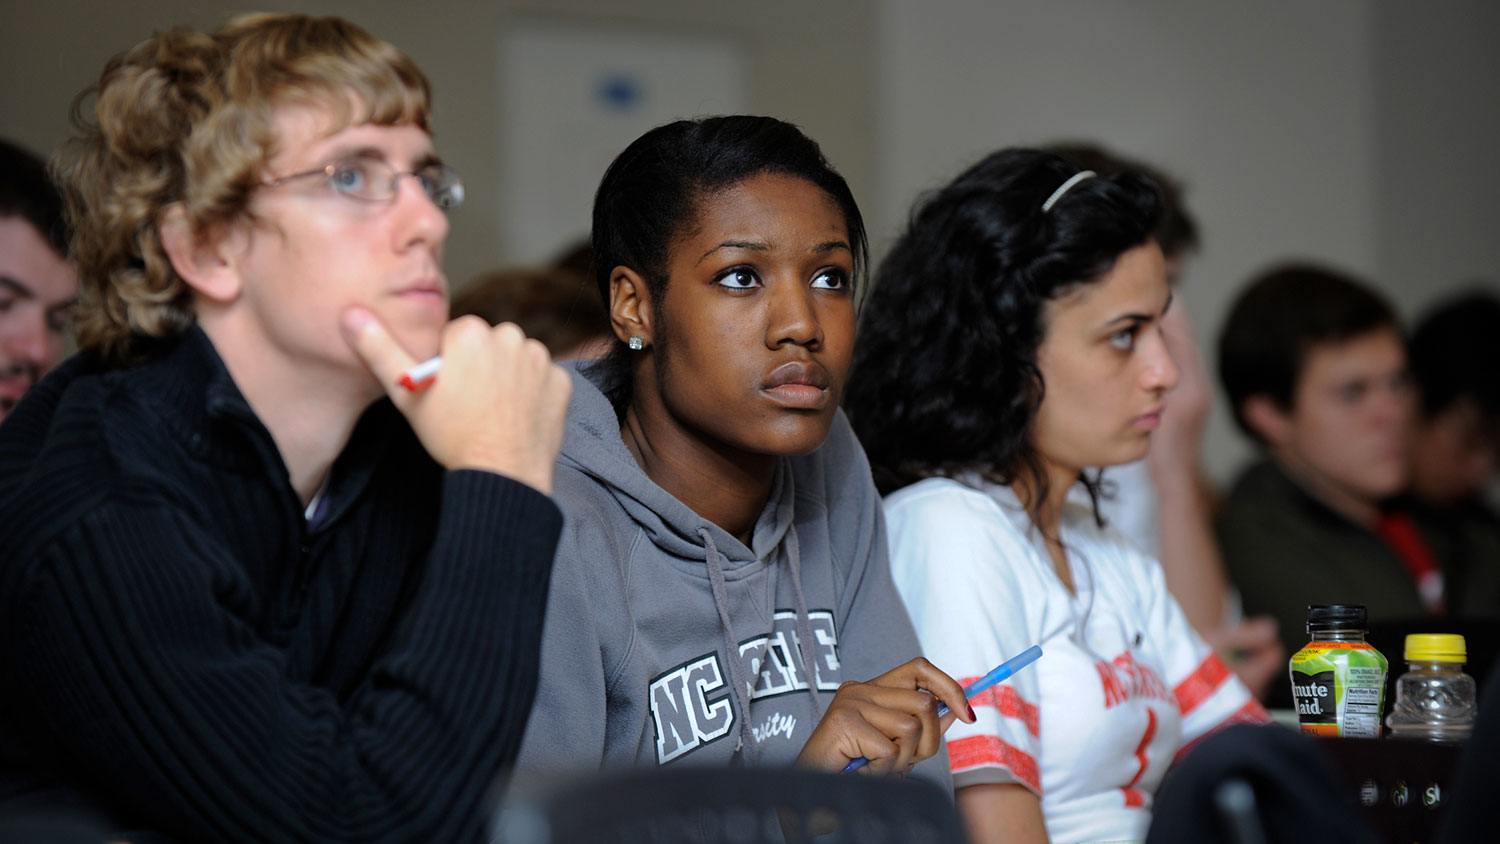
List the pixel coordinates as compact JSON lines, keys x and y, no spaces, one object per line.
{"x":1267,"y":419}
{"x":629,"y":305}
{"x":205,"y":261}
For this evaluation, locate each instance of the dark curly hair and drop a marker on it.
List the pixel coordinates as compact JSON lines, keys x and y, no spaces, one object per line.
{"x":653,"y":190}
{"x":1177,"y":230}
{"x":945,"y":380}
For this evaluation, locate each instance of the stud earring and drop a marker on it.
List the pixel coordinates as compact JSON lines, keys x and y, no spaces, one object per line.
{"x":637,"y":343}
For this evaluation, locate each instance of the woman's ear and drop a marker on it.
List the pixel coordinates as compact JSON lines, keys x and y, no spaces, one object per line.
{"x":630,"y":306}
{"x":205,"y":261}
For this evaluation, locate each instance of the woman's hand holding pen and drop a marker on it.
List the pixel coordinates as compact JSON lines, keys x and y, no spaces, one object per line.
{"x":893,"y":720}
{"x":498,"y":405}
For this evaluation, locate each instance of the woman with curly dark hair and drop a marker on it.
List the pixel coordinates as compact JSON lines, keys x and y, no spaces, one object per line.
{"x":1013,"y":339}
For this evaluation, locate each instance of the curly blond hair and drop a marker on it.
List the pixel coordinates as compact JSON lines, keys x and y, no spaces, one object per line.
{"x":187,"y":117}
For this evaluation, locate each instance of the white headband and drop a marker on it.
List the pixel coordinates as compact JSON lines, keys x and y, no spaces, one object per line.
{"x":1065,"y":187}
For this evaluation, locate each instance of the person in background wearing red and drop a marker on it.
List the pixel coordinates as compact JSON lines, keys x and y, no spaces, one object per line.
{"x":1315,"y":368}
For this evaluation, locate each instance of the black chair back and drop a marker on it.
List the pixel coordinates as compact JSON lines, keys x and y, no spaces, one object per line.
{"x":733,"y":806}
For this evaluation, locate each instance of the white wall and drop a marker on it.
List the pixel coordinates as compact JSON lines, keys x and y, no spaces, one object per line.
{"x":809,"y":63}
{"x":1437,"y":138}
{"x":1267,"y":112}
{"x":1361,"y":132}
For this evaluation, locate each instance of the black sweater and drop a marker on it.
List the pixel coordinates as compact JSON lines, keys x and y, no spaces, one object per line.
{"x":180,"y":653}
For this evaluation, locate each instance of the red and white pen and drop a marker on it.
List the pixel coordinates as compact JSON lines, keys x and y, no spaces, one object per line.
{"x":422,"y":375}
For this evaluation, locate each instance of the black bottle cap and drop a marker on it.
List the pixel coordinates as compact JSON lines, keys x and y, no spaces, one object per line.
{"x":1336,"y":617}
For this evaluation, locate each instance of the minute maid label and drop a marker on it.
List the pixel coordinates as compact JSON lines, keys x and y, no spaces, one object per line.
{"x":1339,"y":688}
{"x":1316,"y":698}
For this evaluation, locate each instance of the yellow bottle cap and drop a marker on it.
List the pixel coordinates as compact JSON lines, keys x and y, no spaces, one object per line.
{"x":1436,"y":647}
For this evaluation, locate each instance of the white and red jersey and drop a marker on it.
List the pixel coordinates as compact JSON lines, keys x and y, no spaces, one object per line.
{"x":1123,"y":684}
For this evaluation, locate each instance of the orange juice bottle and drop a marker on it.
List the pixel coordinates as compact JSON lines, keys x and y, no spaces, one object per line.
{"x":1338,"y":679}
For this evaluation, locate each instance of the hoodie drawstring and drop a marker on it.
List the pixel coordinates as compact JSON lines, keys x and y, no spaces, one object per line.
{"x":805,"y":649}
{"x":737,"y":675}
{"x":804,"y":624}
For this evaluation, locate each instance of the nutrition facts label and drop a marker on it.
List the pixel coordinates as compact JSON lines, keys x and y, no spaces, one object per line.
{"x":1363,"y":691}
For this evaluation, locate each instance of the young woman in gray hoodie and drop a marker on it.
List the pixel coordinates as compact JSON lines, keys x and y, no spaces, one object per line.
{"x":721,"y":591}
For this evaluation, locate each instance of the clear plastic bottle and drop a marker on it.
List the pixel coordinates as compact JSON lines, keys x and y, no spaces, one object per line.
{"x":1435,"y":699}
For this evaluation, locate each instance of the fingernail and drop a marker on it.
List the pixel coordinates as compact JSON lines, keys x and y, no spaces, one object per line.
{"x":972,"y":716}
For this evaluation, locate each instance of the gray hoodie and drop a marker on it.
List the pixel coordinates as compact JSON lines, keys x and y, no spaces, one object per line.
{"x":656,"y":615}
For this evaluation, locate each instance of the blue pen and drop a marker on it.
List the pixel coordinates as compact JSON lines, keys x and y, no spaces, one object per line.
{"x":1001,"y":672}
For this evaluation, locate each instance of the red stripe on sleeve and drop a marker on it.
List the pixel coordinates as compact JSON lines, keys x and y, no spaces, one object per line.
{"x":1009,"y":703}
{"x":1201,"y":684}
{"x":1251,"y":713}
{"x":1134,"y":799}
{"x":978,"y":751}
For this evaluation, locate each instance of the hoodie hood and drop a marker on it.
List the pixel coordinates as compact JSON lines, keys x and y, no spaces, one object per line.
{"x":593,"y":446}
{"x":668,"y":641}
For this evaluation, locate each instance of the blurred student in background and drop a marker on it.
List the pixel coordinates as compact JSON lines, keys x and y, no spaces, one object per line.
{"x":555,"y":306}
{"x":1455,"y":446}
{"x":1315,"y":367}
{"x":38,"y":283}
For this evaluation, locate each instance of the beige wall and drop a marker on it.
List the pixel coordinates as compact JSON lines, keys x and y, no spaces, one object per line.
{"x":1351,"y":132}
{"x":1360,"y":132}
{"x":809,"y":63}
{"x":1265,"y":112}
{"x":1437,"y":139}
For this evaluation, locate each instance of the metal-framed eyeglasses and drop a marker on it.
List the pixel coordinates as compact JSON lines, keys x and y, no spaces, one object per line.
{"x":367,"y":179}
